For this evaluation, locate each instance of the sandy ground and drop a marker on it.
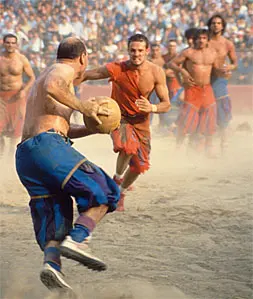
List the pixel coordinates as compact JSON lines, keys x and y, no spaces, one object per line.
{"x":186,"y":232}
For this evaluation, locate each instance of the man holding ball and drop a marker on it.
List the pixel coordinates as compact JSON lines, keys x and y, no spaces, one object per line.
{"x":52,"y":171}
{"x":133,"y":81}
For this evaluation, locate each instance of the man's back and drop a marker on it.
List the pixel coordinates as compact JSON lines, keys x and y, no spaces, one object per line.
{"x":43,"y":112}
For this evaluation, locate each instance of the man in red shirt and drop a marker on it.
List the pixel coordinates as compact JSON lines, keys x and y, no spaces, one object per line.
{"x":133,"y":81}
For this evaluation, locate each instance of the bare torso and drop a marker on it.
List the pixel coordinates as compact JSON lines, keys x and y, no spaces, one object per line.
{"x":199,"y":64}
{"x":221,"y":46}
{"x":147,"y":76}
{"x":11,"y":71}
{"x":43,"y":112}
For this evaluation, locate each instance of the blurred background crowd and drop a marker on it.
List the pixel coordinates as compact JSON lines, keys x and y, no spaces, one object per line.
{"x":105,"y":25}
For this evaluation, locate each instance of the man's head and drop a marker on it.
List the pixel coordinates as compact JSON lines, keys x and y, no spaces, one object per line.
{"x":155,"y":50}
{"x":10,"y":42}
{"x":138,"y":46}
{"x":201,"y":38}
{"x":172,"y":47}
{"x":189,"y":35}
{"x":73,"y":48}
{"x":216,"y":24}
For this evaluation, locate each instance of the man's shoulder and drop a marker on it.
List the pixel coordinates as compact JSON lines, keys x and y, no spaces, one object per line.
{"x":118,"y":64}
{"x":22,"y":57}
{"x":188,"y":52}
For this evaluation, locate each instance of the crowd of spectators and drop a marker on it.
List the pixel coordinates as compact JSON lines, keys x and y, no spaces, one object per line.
{"x":105,"y":25}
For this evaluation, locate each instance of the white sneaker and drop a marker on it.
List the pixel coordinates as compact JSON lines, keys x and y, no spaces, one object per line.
{"x":53,"y":279}
{"x":80,"y":252}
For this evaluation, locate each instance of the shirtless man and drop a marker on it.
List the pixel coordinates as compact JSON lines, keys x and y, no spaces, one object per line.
{"x":13,"y":90}
{"x":220,"y":76}
{"x":157,"y":58}
{"x":172,"y":82}
{"x":198,"y":112}
{"x":178,"y":97}
{"x":53,"y":172}
{"x":132,"y":84}
{"x":174,"y":87}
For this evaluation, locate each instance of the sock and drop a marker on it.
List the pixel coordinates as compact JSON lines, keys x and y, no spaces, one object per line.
{"x":118,"y":176}
{"x":83,"y":227}
{"x":79,"y":233}
{"x":52,"y":257}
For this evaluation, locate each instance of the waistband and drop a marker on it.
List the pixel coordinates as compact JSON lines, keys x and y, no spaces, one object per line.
{"x":50,"y":131}
{"x":198,"y":86}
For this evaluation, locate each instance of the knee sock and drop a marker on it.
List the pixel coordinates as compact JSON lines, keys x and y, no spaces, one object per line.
{"x":83,"y":227}
{"x":52,"y":257}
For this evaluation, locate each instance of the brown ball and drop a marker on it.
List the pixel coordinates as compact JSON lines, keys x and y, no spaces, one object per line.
{"x":110,"y":122}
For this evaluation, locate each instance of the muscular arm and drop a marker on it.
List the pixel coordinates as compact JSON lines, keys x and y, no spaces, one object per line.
{"x":232,"y":56}
{"x":77,"y":131}
{"x":175,"y":63}
{"x":57,"y":87}
{"x":162,"y":92}
{"x":94,"y":74}
{"x":30,"y":74}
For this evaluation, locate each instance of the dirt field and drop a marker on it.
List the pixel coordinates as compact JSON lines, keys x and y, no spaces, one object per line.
{"x":186,"y":232}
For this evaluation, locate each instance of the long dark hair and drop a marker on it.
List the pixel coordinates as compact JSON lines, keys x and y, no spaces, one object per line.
{"x":224,"y":23}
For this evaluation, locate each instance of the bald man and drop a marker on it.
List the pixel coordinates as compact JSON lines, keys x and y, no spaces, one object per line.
{"x":52,"y":171}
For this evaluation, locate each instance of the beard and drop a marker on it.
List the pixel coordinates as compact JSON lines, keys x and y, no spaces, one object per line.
{"x":217,"y":32}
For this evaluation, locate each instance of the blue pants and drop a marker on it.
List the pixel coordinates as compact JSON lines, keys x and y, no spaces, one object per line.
{"x":53,"y":172}
{"x":224,"y":108}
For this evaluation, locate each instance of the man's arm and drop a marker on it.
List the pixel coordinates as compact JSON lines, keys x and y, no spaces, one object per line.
{"x":94,"y":74}
{"x":57,"y":87}
{"x":232,"y":57}
{"x":162,"y":92}
{"x":78,"y":131}
{"x":176,"y":65}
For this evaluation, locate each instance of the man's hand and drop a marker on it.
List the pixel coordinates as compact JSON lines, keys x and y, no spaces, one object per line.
{"x":144,"y":105}
{"x":225,"y":71}
{"x":22,"y":94}
{"x":187,"y":79}
{"x":93,"y":107}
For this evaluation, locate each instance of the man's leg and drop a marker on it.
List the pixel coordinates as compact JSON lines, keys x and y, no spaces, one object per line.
{"x":51,"y":224}
{"x":95,"y":194}
{"x":122,"y":163}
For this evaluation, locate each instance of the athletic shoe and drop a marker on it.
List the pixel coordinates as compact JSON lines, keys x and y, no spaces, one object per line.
{"x":120,"y":206}
{"x":80,"y":252}
{"x":53,"y":279}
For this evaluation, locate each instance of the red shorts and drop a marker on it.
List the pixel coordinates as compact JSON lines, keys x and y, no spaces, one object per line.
{"x":173,"y":86}
{"x":133,"y":142}
{"x":198,"y":112}
{"x":12,"y":112}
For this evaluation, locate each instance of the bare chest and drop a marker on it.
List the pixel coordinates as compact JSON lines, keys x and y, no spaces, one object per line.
{"x":13,"y":67}
{"x":220,"y":48}
{"x":204,"y":58}
{"x":137,"y":83}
